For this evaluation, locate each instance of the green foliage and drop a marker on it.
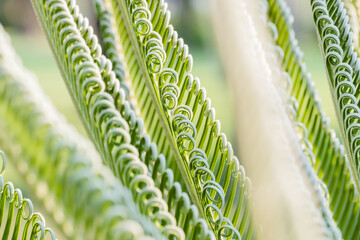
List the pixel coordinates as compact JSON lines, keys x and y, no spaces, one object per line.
{"x":160,"y":66}
{"x":69,"y":165}
{"x":342,"y":66}
{"x":118,"y":134}
{"x":161,"y":168}
{"x":325,"y":150}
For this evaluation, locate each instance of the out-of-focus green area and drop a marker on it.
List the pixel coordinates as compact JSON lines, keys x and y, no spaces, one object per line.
{"x":192,"y":20}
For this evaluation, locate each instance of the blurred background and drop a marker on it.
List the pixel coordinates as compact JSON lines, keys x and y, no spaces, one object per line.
{"x":192,"y":20}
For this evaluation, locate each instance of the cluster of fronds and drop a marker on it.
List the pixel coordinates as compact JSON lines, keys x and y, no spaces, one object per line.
{"x":159,"y":165}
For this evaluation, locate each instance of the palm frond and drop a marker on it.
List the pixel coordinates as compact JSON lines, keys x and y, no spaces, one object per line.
{"x":115,"y":137}
{"x":144,"y":104}
{"x":278,"y":17}
{"x":147,"y":149}
{"x":330,"y":158}
{"x":53,"y":152}
{"x":110,"y":44}
{"x":343,"y":66}
{"x":178,"y":116}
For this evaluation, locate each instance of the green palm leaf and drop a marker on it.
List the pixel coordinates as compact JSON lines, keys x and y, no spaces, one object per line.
{"x":329,"y":153}
{"x":320,"y":135}
{"x":159,"y":68}
{"x":147,"y":149}
{"x":342,"y":65}
{"x":95,"y":201}
{"x":117,"y":138}
{"x":110,"y":44}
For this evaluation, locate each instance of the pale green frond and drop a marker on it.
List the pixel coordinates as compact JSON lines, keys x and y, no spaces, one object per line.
{"x":17,"y":217}
{"x":179,"y":117}
{"x":155,"y":162}
{"x":53,"y":152}
{"x":144,"y":104}
{"x":147,"y":149}
{"x":329,"y":154}
{"x":98,"y":98}
{"x":109,"y":42}
{"x":279,"y":9}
